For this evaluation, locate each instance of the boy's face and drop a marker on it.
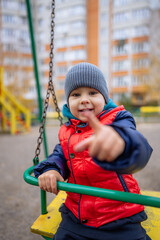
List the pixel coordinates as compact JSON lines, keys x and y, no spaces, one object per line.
{"x":85,"y":99}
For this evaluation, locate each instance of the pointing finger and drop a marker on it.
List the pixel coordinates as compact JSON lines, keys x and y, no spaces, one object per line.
{"x":80,"y":147}
{"x":93,"y":121}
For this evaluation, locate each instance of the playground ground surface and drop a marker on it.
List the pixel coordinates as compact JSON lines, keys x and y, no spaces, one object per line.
{"x":20,"y":202}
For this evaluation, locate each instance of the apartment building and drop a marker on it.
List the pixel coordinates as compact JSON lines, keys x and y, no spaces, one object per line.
{"x":116,"y":35}
{"x":129,"y":36}
{"x":70,"y":40}
{"x":76,"y":39}
{"x":15,"y":50}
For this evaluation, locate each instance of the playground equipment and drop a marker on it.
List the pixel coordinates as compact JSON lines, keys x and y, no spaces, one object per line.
{"x":47,"y":223}
{"x":150,"y":109}
{"x":13,"y":115}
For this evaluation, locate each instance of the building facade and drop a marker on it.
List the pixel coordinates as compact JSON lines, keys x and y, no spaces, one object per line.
{"x":76,"y":39}
{"x":129,"y":37}
{"x":15,"y":51}
{"x":116,"y":35}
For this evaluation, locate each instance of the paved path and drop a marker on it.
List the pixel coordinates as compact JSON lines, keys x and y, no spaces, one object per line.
{"x":20,"y":202}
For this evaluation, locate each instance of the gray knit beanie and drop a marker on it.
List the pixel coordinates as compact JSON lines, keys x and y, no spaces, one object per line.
{"x":86,"y":75}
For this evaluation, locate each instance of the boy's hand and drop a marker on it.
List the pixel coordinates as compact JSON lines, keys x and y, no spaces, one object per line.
{"x":106,"y":144}
{"x":48,"y":181}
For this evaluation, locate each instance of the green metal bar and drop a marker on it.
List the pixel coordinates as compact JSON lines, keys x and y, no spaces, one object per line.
{"x":43,"y":194}
{"x":36,"y":70}
{"x":43,"y":202}
{"x":99,"y":192}
{"x":47,"y":238}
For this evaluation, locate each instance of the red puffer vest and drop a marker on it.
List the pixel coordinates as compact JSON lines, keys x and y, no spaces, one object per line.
{"x":94,"y":211}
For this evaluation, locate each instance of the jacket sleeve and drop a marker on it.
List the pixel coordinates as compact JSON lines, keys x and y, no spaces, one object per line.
{"x":56,"y":161}
{"x":137,"y":150}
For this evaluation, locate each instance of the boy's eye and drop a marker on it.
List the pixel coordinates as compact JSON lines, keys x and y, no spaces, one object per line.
{"x":93,"y":93}
{"x":75,"y":95}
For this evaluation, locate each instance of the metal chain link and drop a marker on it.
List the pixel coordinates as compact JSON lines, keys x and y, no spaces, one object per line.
{"x":50,"y":89}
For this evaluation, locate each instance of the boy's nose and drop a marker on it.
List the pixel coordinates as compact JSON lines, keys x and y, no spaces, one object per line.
{"x":84,"y":100}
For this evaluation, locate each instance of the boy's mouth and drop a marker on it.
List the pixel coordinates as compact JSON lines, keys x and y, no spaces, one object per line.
{"x":86,"y":110}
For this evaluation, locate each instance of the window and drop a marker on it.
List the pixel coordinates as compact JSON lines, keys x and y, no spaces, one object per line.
{"x":135,"y":80}
{"x":70,"y":41}
{"x":104,"y":18}
{"x":6,"y":18}
{"x":8,"y":75}
{"x":77,"y":10}
{"x":104,"y":3}
{"x":23,"y":20}
{"x":104,"y":33}
{"x":59,"y":56}
{"x":41,"y":22}
{"x":24,"y":36}
{"x":141,"y":63}
{"x":25,"y":48}
{"x":78,"y":24}
{"x":118,"y":3}
{"x":59,"y":43}
{"x":77,"y":40}
{"x":72,"y":11}
{"x":61,"y":70}
{"x":140,"y":79}
{"x":11,"y":61}
{"x":140,"y":47}
{"x":121,"y":33}
{"x":120,"y":50}
{"x":59,"y":2}
{"x":63,"y":13}
{"x":71,"y":55}
{"x":142,"y":13}
{"x":120,"y":65}
{"x":120,"y":81}
{"x":121,"y":17}
{"x":9,"y":47}
{"x":41,"y":48}
{"x":103,"y":49}
{"x":10,"y":4}
{"x":40,"y":9}
{"x":140,"y":31}
{"x":75,"y":55}
{"x":42,"y":36}
{"x":8,"y":35}
{"x":22,"y":6}
{"x":62,"y":28}
{"x":61,"y":84}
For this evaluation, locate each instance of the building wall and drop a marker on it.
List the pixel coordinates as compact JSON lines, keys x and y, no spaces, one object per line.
{"x":70,"y":40}
{"x":115,"y":35}
{"x":92,"y":31}
{"x":15,"y":49}
{"x":129,"y":41}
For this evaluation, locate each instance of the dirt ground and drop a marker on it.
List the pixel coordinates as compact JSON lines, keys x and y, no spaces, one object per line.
{"x":20,"y":202}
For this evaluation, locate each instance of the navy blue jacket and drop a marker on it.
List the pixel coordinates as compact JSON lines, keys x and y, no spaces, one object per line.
{"x":135,"y":156}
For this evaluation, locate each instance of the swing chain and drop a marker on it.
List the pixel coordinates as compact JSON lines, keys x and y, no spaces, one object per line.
{"x":51,"y":86}
{"x":50,"y":89}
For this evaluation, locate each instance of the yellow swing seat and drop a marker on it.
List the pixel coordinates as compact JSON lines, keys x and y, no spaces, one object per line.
{"x":46,"y":225}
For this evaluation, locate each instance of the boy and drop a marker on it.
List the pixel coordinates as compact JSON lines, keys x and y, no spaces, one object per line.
{"x":100,"y":147}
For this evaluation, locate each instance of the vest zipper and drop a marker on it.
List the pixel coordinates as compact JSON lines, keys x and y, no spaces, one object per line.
{"x":73,"y":175}
{"x":79,"y":215}
{"x":70,"y":158}
{"x":122,"y":182}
